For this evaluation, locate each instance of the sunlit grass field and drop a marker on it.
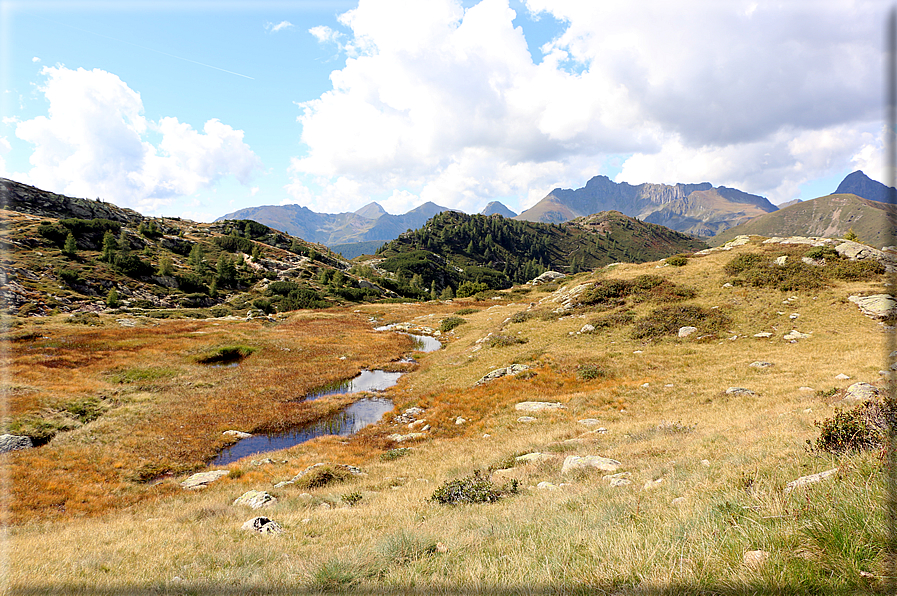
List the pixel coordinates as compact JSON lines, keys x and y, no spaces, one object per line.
{"x":99,"y":508}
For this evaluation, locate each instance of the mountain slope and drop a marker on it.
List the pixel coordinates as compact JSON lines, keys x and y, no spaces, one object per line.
{"x":830,"y":216}
{"x":497,"y":208}
{"x":454,"y":247}
{"x":698,"y":209}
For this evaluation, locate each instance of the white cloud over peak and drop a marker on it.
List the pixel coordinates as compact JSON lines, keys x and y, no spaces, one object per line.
{"x":93,"y":142}
{"x":447,"y":104}
{"x":274,"y":28}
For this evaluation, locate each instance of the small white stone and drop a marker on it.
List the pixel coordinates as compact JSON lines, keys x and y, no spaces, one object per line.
{"x":841,"y":377}
{"x":645,"y":385}
{"x":705,"y":463}
{"x":526,"y":419}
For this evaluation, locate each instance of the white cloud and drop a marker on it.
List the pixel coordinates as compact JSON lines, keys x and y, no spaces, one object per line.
{"x":274,"y":28}
{"x":447,"y":104}
{"x":93,"y":143}
{"x":35,"y":59}
{"x":325,"y":34}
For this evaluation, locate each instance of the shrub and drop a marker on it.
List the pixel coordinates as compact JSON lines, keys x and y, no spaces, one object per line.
{"x":521,"y":317}
{"x":334,"y":575}
{"x":476,"y":488}
{"x":466,"y":311}
{"x":112,"y":300}
{"x":677,"y":260}
{"x":69,"y":276}
{"x":590,"y":372}
{"x":351,"y":499}
{"x":234,"y":244}
{"x":264,"y":305}
{"x":743,"y":262}
{"x":822,"y":252}
{"x":469,"y":288}
{"x":667,"y":320}
{"x":450,"y":323}
{"x":502,"y":340}
{"x":860,"y":428}
{"x":614,"y":319}
{"x":302,"y":298}
{"x":847,"y":270}
{"x":282,"y":288}
{"x":395,"y":453}
{"x":322,"y":476}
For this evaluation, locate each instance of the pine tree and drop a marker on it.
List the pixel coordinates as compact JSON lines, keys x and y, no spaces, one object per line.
{"x":166,"y":267}
{"x":71,"y":247}
{"x":112,"y":299}
{"x":110,"y":245}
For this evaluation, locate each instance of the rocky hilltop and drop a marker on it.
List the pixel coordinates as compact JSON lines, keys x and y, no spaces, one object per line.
{"x":698,"y":209}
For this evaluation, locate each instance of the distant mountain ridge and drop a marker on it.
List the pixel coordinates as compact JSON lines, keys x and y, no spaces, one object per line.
{"x":698,"y":209}
{"x":861,"y":185}
{"x":371,"y":223}
{"x":497,"y":208}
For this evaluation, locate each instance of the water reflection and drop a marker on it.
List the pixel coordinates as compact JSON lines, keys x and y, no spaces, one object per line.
{"x":344,"y":423}
{"x":368,"y":380}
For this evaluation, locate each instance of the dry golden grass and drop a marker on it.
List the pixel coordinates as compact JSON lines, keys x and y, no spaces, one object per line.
{"x":662,"y":401}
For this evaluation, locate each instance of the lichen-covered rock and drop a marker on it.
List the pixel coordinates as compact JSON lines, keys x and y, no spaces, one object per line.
{"x":237,"y":434}
{"x":740,"y":391}
{"x":262,"y":525}
{"x":585,"y":462}
{"x":14,"y":443}
{"x":255,"y":499}
{"x":547,"y":277}
{"x":202,"y":479}
{"x":811,"y":479}
{"x":686,"y":331}
{"x":859,"y":392}
{"x":501,"y":372}
{"x":877,"y":306}
{"x":539,"y":406}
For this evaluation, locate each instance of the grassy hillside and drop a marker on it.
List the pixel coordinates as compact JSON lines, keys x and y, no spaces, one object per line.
{"x":831,"y":216}
{"x":453,"y":248}
{"x":697,"y":502}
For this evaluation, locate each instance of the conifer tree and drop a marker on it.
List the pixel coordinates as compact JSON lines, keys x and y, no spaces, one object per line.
{"x":71,"y":247}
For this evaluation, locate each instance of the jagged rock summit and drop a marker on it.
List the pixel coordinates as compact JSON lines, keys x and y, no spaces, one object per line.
{"x":497,"y":208}
{"x":699,"y":209}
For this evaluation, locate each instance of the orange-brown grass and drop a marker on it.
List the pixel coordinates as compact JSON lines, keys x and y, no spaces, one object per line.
{"x":173,"y":423}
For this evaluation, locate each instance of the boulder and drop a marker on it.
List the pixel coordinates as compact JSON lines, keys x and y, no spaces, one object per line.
{"x":262,"y":525}
{"x":740,"y":391}
{"x":535,"y":457}
{"x":255,"y":499}
{"x":539,"y":406}
{"x":399,"y":438}
{"x":236,"y":434}
{"x":587,"y":328}
{"x":795,"y":334}
{"x":585,"y":462}
{"x":877,"y":306}
{"x":501,"y":372}
{"x":14,"y":443}
{"x":547,"y":277}
{"x":811,"y":479}
{"x":202,"y":479}
{"x":859,"y":392}
{"x":526,"y":419}
{"x":760,"y":364}
{"x":686,"y":331}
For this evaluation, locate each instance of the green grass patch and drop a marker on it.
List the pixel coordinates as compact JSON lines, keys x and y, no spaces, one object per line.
{"x":395,"y":453}
{"x":449,"y":323}
{"x":667,"y":320}
{"x":225,"y":354}
{"x":503,"y":340}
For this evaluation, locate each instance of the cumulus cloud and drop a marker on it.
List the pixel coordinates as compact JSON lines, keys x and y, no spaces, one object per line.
{"x":324,"y":34}
{"x":274,"y":28}
{"x":447,"y":104}
{"x":93,"y":142}
{"x":35,"y":59}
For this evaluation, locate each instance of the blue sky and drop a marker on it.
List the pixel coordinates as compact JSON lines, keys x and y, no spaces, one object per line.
{"x":197,"y":109}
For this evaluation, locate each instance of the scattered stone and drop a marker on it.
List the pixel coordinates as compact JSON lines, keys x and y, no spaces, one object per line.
{"x":505,"y":475}
{"x":805,"y":389}
{"x":841,"y":377}
{"x":728,"y":285}
{"x":590,"y":421}
{"x":408,"y":416}
{"x":545,"y":278}
{"x":441,"y":547}
{"x":645,"y":385}
{"x":686,"y":331}
{"x":460,"y":420}
{"x":780,"y":261}
{"x":255,"y":499}
{"x":763,"y":334}
{"x":651,"y":484}
{"x":536,"y":456}
{"x":678,"y":501}
{"x":877,"y":306}
{"x":760,"y":364}
{"x":14,"y":443}
{"x":584,"y":462}
{"x":705,"y":463}
{"x":795,"y":334}
{"x":526,"y":419}
{"x":201,"y":479}
{"x":755,"y":558}
{"x":400,"y":438}
{"x":619,"y":479}
{"x":587,"y":328}
{"x":546,"y":486}
{"x":811,"y":479}
{"x":236,"y":434}
{"x":539,"y":406}
{"x":793,"y":315}
{"x":501,"y":372}
{"x":262,"y":525}
{"x":741,"y":391}
{"x":861,"y":392}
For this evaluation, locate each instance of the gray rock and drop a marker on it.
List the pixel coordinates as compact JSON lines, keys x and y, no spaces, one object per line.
{"x":590,"y":421}
{"x":236,"y":434}
{"x":877,"y":306}
{"x":740,"y":391}
{"x":14,"y":443}
{"x":686,"y":331}
{"x":585,"y":462}
{"x":761,"y":364}
{"x":547,"y":277}
{"x":811,"y":479}
{"x":535,"y":457}
{"x":262,"y":525}
{"x":587,"y":328}
{"x":781,"y":260}
{"x":526,"y":419}
{"x":546,"y":486}
{"x":763,"y":334}
{"x":255,"y":499}
{"x":861,"y":392}
{"x":539,"y":406}
{"x":202,"y":479}
{"x":501,"y":372}
{"x":795,"y":334}
{"x":400,"y":438}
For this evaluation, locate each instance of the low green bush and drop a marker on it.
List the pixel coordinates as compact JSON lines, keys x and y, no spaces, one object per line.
{"x":476,"y":488}
{"x":395,"y":453}
{"x":677,"y":260}
{"x":590,"y":372}
{"x":502,"y":340}
{"x":322,"y":476}
{"x":466,"y":311}
{"x":450,"y":323}
{"x":863,"y":427}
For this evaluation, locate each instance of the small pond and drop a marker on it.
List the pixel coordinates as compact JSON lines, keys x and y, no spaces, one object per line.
{"x":422,"y":343}
{"x":368,"y":380}
{"x":344,"y":423}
